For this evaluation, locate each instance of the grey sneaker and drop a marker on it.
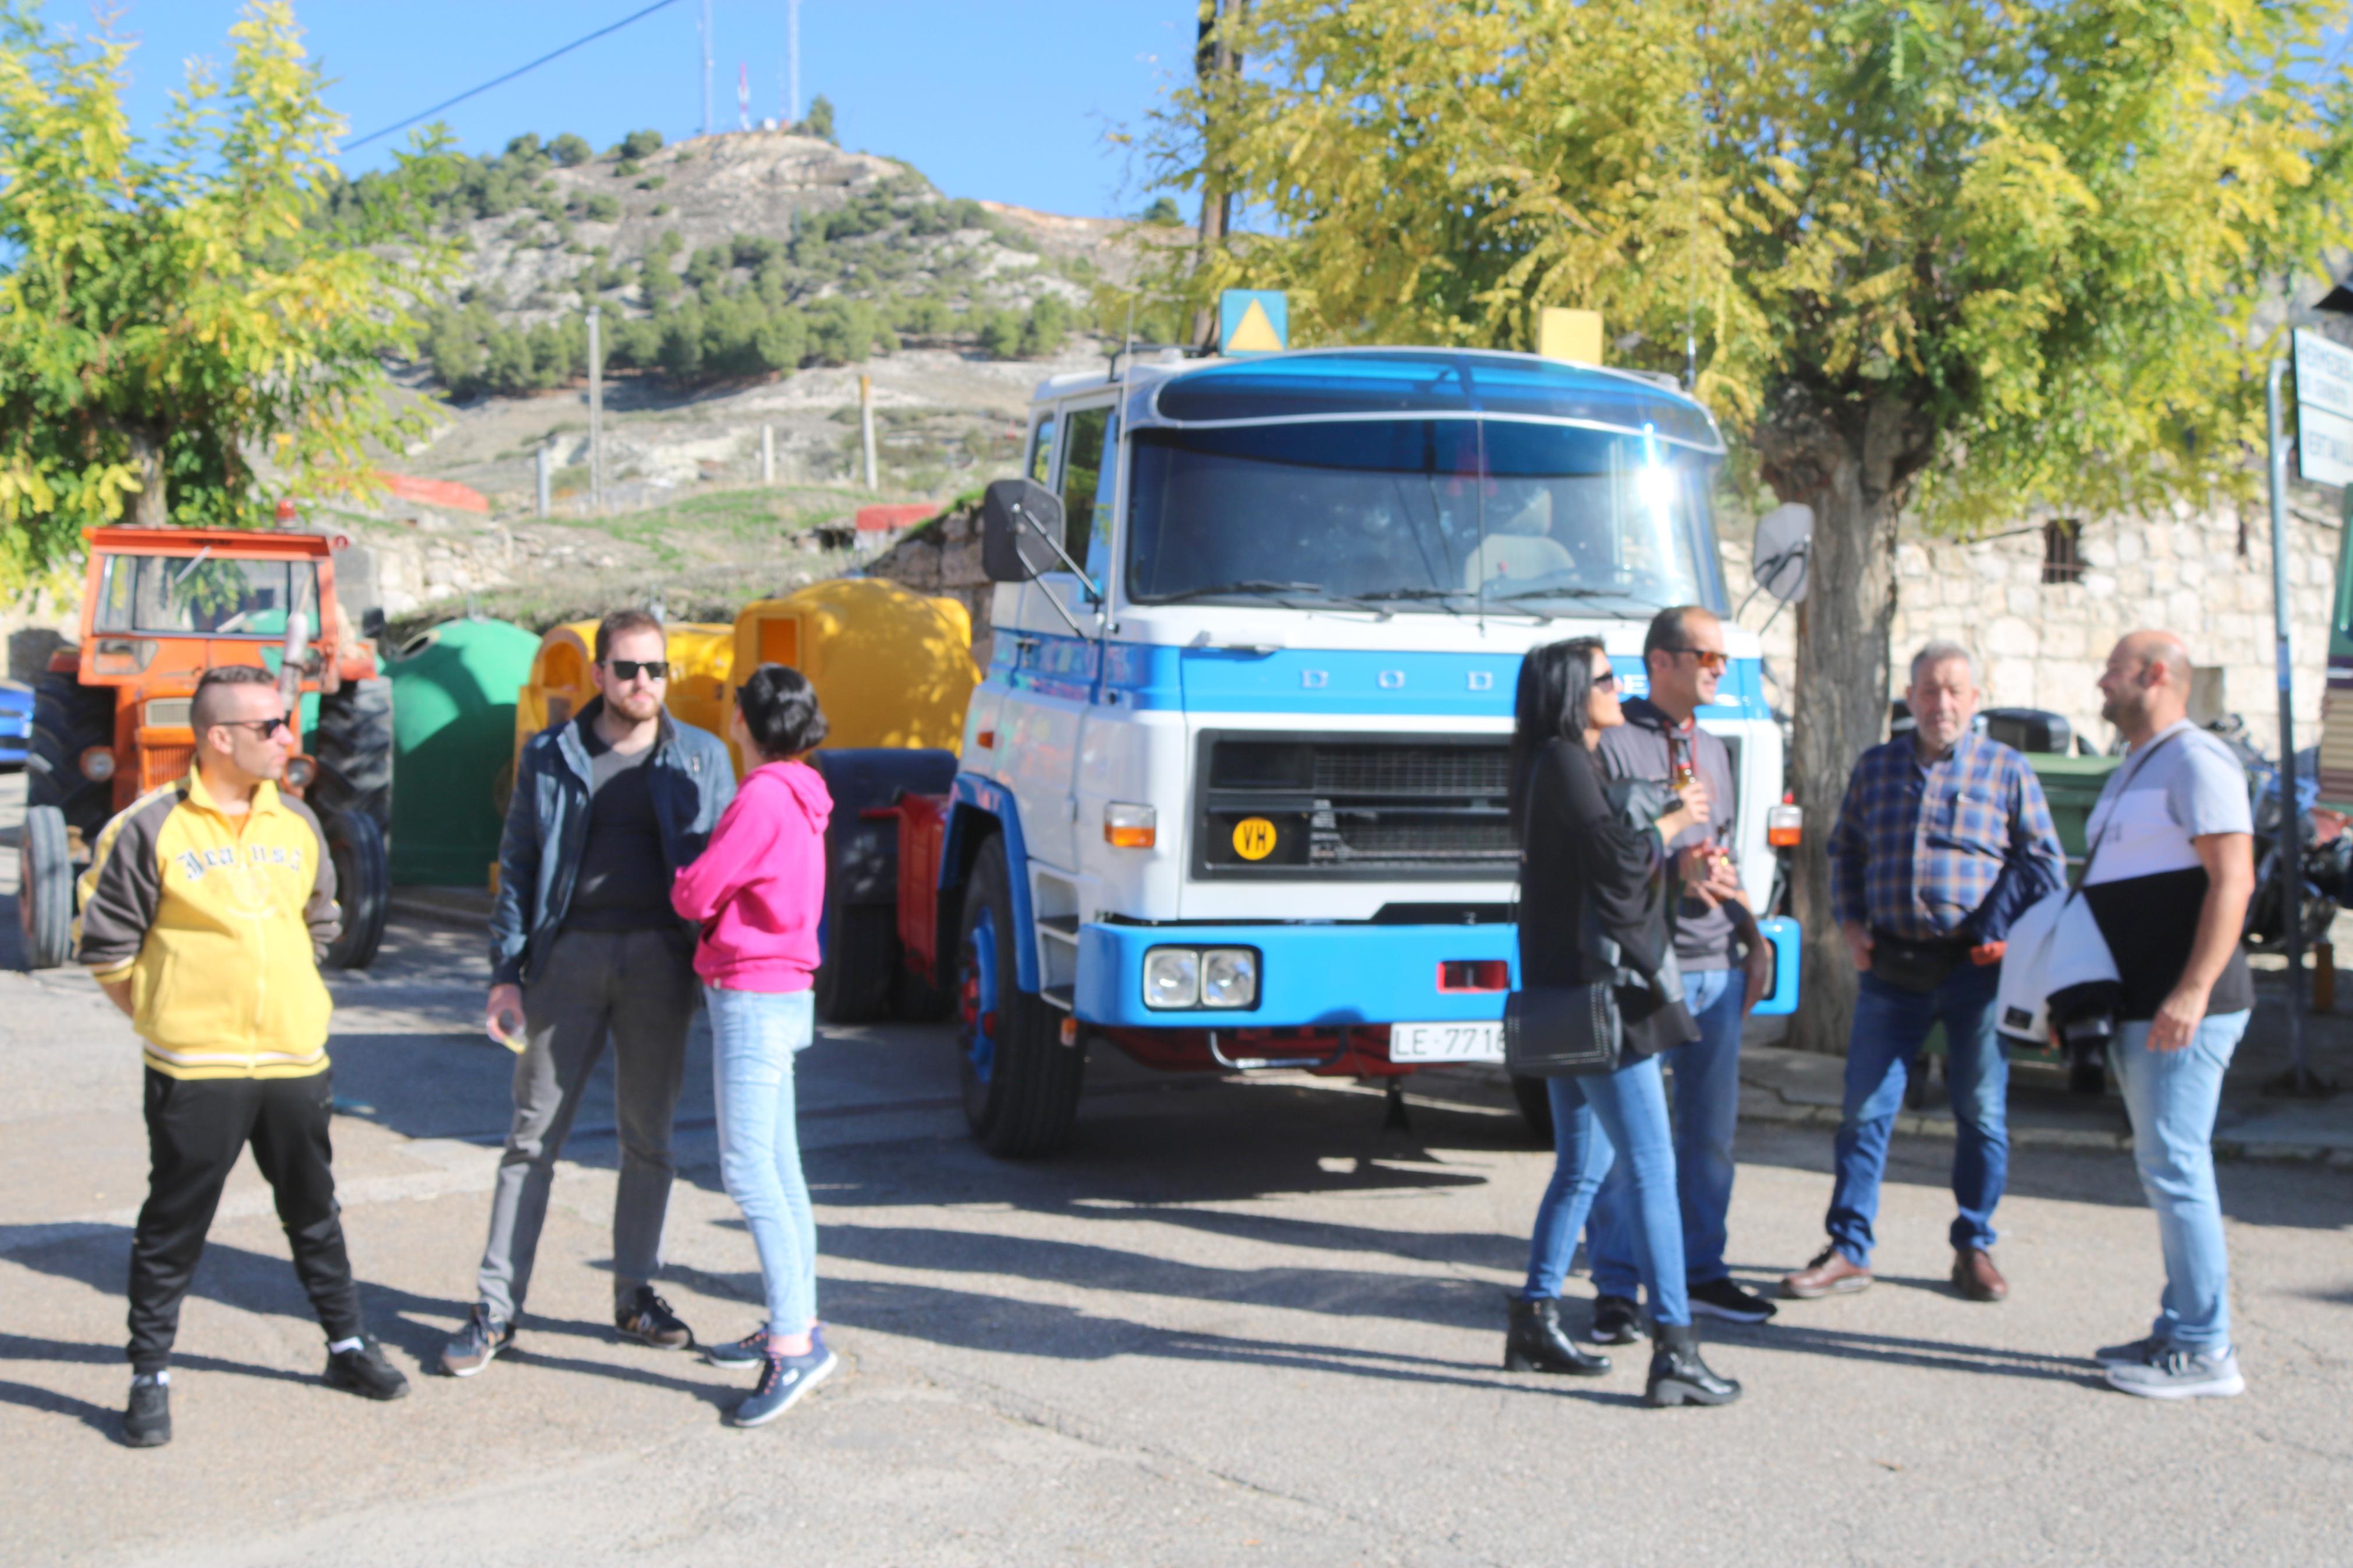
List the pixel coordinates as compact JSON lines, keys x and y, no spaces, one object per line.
{"x":2176,"y":1371}
{"x":740,"y":1355}
{"x":784,"y":1379}
{"x":2130,"y":1354}
{"x":482,"y":1340}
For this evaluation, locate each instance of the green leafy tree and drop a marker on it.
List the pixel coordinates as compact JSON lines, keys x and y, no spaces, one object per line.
{"x":1163,"y":212}
{"x":819,"y":122}
{"x":1948,"y":262}
{"x":570,"y":151}
{"x":184,"y":332}
{"x":641,"y":143}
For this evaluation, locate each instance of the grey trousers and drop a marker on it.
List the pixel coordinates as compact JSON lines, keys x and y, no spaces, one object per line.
{"x":640,"y":986}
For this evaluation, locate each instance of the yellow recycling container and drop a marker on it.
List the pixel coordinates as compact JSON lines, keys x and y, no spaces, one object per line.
{"x":700,"y":654}
{"x":892,"y":667}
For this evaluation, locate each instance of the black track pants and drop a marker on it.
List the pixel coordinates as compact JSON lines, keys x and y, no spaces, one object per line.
{"x":197,"y":1128}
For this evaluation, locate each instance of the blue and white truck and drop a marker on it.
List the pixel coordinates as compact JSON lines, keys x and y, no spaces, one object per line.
{"x":1232,"y":795}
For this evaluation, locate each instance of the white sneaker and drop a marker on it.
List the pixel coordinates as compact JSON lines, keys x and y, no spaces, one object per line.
{"x":2175,"y":1372}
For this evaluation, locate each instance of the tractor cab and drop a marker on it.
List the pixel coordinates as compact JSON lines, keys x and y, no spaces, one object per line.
{"x":160,"y":606}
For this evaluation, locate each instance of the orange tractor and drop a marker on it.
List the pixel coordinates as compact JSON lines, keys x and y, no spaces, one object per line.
{"x":160,"y":606}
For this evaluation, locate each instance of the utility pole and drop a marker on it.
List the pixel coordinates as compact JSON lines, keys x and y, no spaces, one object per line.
{"x":596,"y":418}
{"x":792,"y":63}
{"x":2291,"y":813}
{"x":767,"y":454}
{"x":706,"y":66}
{"x":1215,"y":64}
{"x":546,"y":477}
{"x":866,"y":427}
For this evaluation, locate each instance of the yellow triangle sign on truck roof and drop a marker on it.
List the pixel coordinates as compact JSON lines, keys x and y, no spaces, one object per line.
{"x":1253,"y":322}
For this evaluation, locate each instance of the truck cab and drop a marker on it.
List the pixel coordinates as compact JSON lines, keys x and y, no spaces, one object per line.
{"x":1233,"y":793}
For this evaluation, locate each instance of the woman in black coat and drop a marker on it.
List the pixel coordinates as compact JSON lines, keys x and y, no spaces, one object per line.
{"x":1581,"y":857}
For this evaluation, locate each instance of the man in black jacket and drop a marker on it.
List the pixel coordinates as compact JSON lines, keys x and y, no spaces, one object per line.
{"x":1726,"y":967}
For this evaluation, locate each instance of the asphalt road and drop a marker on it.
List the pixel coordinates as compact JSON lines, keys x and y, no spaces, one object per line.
{"x":1239,"y":1322}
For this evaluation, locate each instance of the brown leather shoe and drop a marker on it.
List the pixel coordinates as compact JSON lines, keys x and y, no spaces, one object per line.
{"x":1975,"y":1276}
{"x":1829,"y":1274}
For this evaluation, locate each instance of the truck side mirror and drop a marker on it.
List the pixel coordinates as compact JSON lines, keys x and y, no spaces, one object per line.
{"x":1011,"y":549}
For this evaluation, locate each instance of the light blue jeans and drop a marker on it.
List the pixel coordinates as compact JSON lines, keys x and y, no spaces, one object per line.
{"x":2172,"y":1097}
{"x":754,"y":1036}
{"x":1707,"y":1113}
{"x":1593,"y":1118}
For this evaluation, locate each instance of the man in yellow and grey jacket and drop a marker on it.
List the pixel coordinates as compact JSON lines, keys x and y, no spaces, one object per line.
{"x":203,"y":911}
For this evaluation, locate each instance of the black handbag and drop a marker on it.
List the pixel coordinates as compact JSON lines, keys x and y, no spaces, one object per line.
{"x":1562,"y":1031}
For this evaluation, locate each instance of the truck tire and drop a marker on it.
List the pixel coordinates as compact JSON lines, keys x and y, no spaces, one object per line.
{"x":352,"y":746}
{"x":69,"y":719}
{"x":45,"y":888}
{"x":861,"y":951}
{"x":1535,"y":1107}
{"x":1020,"y":1082}
{"x":362,"y":887}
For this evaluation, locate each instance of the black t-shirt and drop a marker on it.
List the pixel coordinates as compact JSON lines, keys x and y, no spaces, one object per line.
{"x":624,"y":876}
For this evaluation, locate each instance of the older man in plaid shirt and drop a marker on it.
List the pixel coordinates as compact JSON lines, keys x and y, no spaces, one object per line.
{"x":1943,"y":839}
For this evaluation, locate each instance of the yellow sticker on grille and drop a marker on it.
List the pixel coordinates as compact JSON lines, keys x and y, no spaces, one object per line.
{"x":1253,"y":838}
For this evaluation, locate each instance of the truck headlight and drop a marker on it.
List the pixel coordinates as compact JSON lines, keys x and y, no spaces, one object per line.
{"x":1229,"y":977}
{"x":1172,"y":977}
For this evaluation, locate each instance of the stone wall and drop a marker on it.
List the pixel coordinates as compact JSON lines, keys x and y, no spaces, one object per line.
{"x":2205,"y":574}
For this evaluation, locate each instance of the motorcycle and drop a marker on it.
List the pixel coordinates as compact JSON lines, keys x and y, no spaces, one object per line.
{"x":2326,"y":850}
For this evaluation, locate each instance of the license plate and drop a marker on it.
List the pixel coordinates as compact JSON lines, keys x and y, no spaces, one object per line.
{"x":1474,"y":1042}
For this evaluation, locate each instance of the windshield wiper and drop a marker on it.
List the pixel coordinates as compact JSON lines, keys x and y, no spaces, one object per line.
{"x":1570,"y":591}
{"x":1261,"y":586}
{"x":1442,"y":598}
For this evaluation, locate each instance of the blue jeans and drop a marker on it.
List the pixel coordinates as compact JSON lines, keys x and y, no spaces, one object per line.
{"x":2171,"y":1097}
{"x":1707,"y":1110}
{"x":754,"y":1037}
{"x":1890,"y":1025}
{"x":1592,"y":1118}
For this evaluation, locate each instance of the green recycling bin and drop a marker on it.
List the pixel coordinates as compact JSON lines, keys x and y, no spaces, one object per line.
{"x":453,"y":705}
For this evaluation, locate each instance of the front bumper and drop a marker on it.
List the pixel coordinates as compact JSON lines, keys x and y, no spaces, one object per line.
{"x":1338,"y":974}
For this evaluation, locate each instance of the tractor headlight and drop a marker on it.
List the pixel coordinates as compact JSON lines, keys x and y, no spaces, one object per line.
{"x":1172,"y":977}
{"x":98,"y":765}
{"x":1229,"y":977}
{"x":300,"y":771}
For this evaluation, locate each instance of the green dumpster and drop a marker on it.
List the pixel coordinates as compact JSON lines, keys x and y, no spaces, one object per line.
{"x":2071,"y":785}
{"x":453,"y":705}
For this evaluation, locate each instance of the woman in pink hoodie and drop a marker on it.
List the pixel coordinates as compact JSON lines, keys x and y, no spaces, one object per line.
{"x":757,"y":893}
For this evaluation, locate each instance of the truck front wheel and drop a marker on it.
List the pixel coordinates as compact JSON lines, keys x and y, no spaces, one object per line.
{"x":1020,"y":1082}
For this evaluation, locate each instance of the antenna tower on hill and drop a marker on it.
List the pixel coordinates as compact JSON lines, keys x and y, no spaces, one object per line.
{"x":792,"y":63}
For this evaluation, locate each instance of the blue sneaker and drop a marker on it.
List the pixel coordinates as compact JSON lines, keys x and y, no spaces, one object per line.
{"x":784,"y":1379}
{"x":740,"y":1355}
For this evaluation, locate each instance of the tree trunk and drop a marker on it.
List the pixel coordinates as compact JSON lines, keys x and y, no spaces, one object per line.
{"x":1851,"y":472}
{"x":1215,"y":62}
{"x":151,"y":507}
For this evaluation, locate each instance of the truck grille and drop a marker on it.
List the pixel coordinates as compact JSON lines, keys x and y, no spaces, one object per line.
{"x":1284,"y":806}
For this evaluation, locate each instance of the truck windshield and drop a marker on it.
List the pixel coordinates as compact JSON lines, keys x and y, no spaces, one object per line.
{"x":205,"y":595}
{"x":1436,"y":515}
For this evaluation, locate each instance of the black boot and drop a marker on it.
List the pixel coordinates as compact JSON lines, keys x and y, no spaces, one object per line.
{"x":1677,"y":1374}
{"x":1538,"y":1343}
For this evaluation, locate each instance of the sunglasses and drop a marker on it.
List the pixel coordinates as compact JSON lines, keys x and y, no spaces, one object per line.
{"x":630,"y":669}
{"x":263,"y":728}
{"x":1605,"y":682}
{"x":1707,"y":659}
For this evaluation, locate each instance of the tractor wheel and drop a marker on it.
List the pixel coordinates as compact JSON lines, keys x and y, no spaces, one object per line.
{"x":69,"y":719}
{"x":1020,"y":1082}
{"x":353,"y":744}
{"x":362,"y":887}
{"x":45,"y":888}
{"x":862,"y":953}
{"x":1534,"y":1099}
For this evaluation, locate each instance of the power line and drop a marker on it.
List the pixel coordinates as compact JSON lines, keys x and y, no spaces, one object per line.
{"x":518,"y":70}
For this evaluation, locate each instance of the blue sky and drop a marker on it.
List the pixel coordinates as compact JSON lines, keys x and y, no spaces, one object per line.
{"x":1006,"y":102}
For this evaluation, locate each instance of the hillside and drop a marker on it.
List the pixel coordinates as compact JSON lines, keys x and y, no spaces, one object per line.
{"x":744,"y":281}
